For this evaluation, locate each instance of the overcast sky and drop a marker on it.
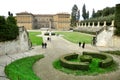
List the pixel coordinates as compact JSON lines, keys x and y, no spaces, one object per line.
{"x":52,"y":6}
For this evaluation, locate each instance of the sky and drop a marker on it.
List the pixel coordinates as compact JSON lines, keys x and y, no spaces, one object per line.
{"x":52,"y":6}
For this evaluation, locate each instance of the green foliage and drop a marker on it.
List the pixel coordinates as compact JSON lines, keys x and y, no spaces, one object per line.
{"x":64,"y":61}
{"x":2,"y":21}
{"x":106,"y":59}
{"x":22,"y":69}
{"x":34,"y":39}
{"x":75,"y":15}
{"x":87,"y":15}
{"x":94,"y":68}
{"x":93,"y":13}
{"x":86,"y":58}
{"x":8,"y":28}
{"x":76,"y":37}
{"x":84,"y":12}
{"x":105,"y":12}
{"x":117,"y":20}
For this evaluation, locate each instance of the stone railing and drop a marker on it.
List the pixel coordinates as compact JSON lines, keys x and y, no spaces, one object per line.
{"x":95,"y":24}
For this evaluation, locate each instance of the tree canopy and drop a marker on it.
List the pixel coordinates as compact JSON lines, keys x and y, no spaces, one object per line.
{"x":8,"y":28}
{"x":117,"y":20}
{"x":75,"y":15}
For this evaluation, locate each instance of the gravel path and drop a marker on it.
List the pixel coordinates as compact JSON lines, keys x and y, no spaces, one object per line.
{"x":59,"y":46}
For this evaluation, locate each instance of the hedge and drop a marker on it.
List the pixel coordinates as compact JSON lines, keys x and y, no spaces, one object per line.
{"x":47,"y":33}
{"x":86,"y":58}
{"x":106,"y":59}
{"x":64,"y":60}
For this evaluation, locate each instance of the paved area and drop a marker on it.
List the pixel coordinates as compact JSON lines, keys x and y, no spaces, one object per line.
{"x":59,"y":46}
{"x":6,"y":59}
{"x":55,"y":48}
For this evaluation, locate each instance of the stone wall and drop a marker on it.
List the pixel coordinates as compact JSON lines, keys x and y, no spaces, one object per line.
{"x":114,"y":42}
{"x":21,"y":44}
{"x":104,"y":37}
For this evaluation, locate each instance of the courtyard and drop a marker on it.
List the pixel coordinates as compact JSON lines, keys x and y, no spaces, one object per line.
{"x":55,"y":48}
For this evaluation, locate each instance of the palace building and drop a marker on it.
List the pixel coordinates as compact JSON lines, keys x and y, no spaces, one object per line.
{"x":60,"y":21}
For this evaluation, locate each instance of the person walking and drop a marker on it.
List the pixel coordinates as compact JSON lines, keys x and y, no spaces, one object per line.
{"x":45,"y":44}
{"x":83,"y":46}
{"x":42,"y":45}
{"x":79,"y":44}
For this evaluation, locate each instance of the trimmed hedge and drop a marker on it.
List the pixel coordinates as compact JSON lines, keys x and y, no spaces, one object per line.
{"x":106,"y":59}
{"x":47,"y":33}
{"x":64,"y":60}
{"x":86,"y":58}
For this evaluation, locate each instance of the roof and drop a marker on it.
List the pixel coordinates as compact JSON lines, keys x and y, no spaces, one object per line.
{"x":24,"y":13}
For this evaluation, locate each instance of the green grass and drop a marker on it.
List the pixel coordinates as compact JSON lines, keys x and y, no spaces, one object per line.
{"x":34,"y":39}
{"x":22,"y":69}
{"x":76,"y":37}
{"x":94,"y":68}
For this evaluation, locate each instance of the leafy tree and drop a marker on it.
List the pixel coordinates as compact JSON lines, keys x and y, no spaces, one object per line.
{"x":84,"y":12}
{"x":99,"y":13}
{"x":117,"y":20}
{"x":2,"y":20}
{"x":8,"y":28}
{"x":74,"y":15}
{"x":106,"y":11}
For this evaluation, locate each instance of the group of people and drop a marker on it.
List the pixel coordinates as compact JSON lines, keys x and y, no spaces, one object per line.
{"x":44,"y":45}
{"x":82,"y":45}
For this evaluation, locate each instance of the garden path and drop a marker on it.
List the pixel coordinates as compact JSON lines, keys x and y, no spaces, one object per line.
{"x":59,"y":46}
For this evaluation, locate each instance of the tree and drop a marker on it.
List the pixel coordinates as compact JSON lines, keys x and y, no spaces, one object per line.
{"x":117,"y":20}
{"x":87,"y":15}
{"x":78,"y":15}
{"x":106,"y":11}
{"x":93,"y":13}
{"x":2,"y":20}
{"x":74,"y":15}
{"x":8,"y":28}
{"x":84,"y":12}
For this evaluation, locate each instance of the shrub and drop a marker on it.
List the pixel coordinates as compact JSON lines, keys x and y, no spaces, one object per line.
{"x":64,"y":60}
{"x":52,"y":33}
{"x":95,"y":55}
{"x":86,"y":58}
{"x":107,"y":62}
{"x":106,"y":59}
{"x":47,"y":33}
{"x":117,"y":20}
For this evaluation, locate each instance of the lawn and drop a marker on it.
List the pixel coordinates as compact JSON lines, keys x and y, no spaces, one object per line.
{"x":34,"y":39}
{"x":76,"y":37}
{"x":22,"y":69}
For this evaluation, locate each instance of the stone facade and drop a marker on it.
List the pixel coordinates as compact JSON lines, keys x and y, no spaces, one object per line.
{"x":59,"y":21}
{"x":25,"y":19}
